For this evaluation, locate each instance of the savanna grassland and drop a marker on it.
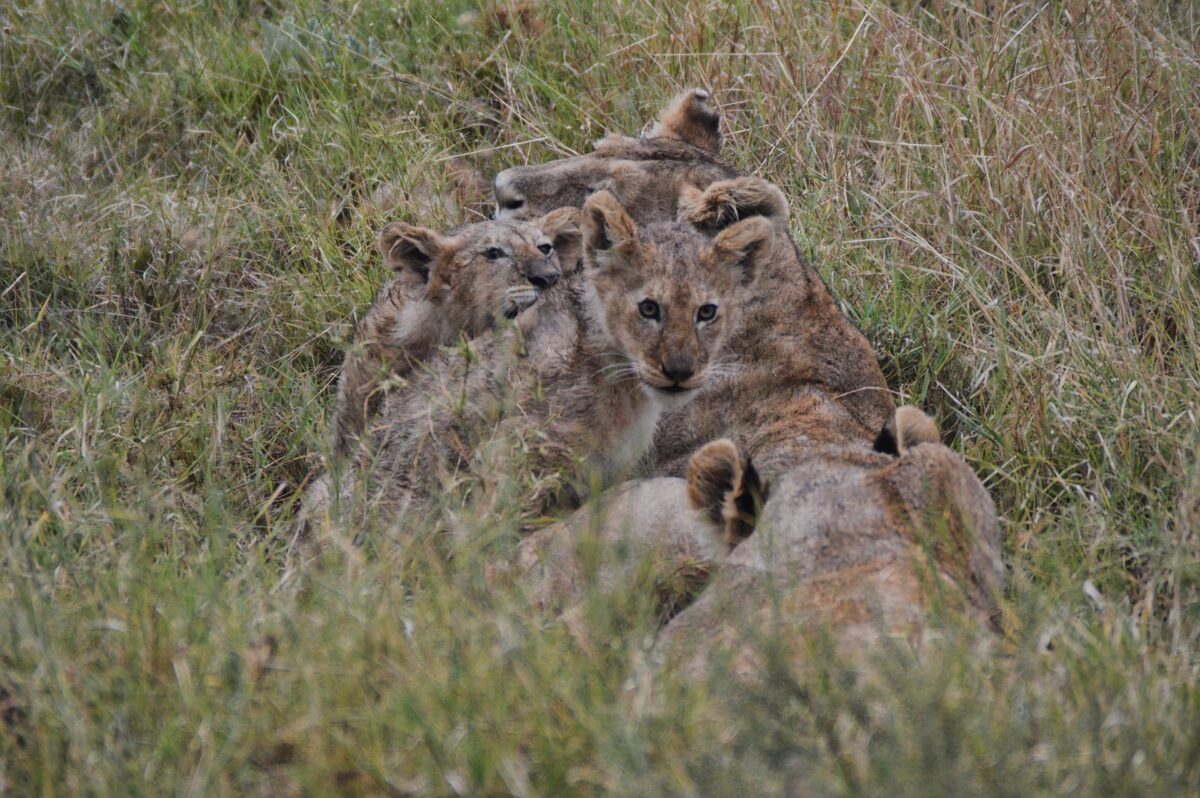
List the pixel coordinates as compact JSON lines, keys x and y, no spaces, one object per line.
{"x":1005,"y":197}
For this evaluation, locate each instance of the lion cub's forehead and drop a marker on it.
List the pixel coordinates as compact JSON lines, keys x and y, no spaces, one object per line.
{"x":517,"y":238}
{"x":678,"y":257}
{"x":558,"y":175}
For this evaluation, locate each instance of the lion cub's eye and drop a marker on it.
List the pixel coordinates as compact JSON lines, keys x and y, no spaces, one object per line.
{"x":706,"y":312}
{"x":545,"y":249}
{"x":495,"y":253}
{"x":649,"y":309}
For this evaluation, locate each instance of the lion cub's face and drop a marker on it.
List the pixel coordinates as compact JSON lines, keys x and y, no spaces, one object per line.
{"x":484,"y":270}
{"x":669,"y":295}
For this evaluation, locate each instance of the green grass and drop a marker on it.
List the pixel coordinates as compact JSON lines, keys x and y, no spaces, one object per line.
{"x":1005,"y":197}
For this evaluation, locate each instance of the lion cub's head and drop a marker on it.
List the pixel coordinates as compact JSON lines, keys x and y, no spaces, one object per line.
{"x":646,"y":172}
{"x":484,"y":270}
{"x":669,"y":295}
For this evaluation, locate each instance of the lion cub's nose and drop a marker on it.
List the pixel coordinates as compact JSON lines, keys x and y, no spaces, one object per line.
{"x":543,"y":276}
{"x":678,"y":368}
{"x":508,"y":199}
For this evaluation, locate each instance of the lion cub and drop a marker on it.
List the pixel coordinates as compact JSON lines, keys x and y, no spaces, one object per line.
{"x":799,"y":373}
{"x":447,"y":285}
{"x":647,"y":173}
{"x":635,"y":332}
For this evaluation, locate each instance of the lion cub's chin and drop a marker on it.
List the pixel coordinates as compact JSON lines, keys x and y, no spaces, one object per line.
{"x":517,"y":300}
{"x":670,"y":399}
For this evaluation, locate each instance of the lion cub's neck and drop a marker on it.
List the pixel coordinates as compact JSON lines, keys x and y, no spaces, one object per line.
{"x":401,"y":326}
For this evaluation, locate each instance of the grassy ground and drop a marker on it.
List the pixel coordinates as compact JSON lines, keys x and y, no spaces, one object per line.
{"x":1005,"y":196}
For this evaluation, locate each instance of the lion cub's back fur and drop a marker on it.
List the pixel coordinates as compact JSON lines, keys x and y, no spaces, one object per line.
{"x":854,"y":542}
{"x":649,"y":176}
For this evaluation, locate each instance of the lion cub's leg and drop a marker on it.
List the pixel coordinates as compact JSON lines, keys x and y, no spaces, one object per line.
{"x":691,"y":118}
{"x":388,"y":343}
{"x":726,"y":488}
{"x":359,"y":396}
{"x":355,"y":401}
{"x":907,"y":427}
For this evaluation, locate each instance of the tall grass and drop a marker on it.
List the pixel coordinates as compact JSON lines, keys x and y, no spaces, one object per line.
{"x":1005,"y":197}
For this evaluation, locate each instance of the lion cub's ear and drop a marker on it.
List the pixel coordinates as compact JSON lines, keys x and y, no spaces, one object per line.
{"x":907,"y":427}
{"x":610,"y":236}
{"x":726,"y":488}
{"x":562,"y":228}
{"x":691,"y":118}
{"x":407,"y":248}
{"x":743,"y":246}
{"x":727,"y":201}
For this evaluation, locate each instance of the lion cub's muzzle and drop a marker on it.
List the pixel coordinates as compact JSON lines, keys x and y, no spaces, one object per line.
{"x":510,"y":202}
{"x":542,"y":276}
{"x":675,"y":380}
{"x":518,"y":298}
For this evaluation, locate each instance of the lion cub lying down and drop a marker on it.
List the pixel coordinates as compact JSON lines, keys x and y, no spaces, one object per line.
{"x":447,"y":285}
{"x":855,"y":542}
{"x":648,"y":173}
{"x":851,"y":540}
{"x":633,"y":333}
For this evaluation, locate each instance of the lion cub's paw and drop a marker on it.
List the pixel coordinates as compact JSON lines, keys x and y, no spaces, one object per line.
{"x":691,"y":118}
{"x":908,"y":427}
{"x":726,"y":488}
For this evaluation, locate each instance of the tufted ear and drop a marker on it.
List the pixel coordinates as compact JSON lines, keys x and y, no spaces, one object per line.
{"x":407,"y":248}
{"x":908,"y":427}
{"x":743,"y":246}
{"x":562,"y":227}
{"x":610,"y":236}
{"x":691,"y":118}
{"x":725,"y":486}
{"x":727,"y":201}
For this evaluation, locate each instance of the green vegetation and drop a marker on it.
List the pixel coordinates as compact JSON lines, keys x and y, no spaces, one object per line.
{"x":1005,"y":197}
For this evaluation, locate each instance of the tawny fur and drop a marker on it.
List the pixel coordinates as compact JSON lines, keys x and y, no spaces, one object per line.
{"x":850,"y":540}
{"x":726,"y":201}
{"x":691,"y":118}
{"x":725,"y":487}
{"x":797,"y":373}
{"x":912,"y":427}
{"x":648,"y":174}
{"x":711,"y":474}
{"x":444,"y":287}
{"x":583,"y":379}
{"x":855,"y":542}
{"x":664,"y":534}
{"x":644,"y":534}
{"x":907,"y":427}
